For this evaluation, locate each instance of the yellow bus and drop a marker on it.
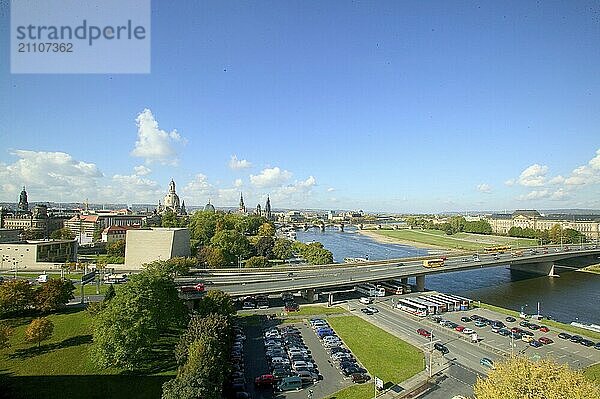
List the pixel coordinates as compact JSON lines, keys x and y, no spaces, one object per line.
{"x":433,"y":262}
{"x":500,"y":249}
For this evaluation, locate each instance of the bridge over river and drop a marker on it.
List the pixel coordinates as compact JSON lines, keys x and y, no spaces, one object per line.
{"x":242,"y":282}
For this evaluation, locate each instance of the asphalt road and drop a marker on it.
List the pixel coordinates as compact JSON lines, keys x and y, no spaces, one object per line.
{"x":276,"y":281}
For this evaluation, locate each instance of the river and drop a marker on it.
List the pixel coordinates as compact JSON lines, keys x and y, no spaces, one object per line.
{"x":571,"y":297}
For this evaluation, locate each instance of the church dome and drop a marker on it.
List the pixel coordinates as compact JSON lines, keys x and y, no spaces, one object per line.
{"x":171,"y":200}
{"x":209,"y":207}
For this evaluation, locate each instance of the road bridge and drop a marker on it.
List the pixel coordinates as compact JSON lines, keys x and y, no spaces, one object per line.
{"x":329,"y":277}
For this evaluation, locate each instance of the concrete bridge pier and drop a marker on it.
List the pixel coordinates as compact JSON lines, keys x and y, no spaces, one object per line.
{"x":404,"y":280}
{"x":420,"y":283}
{"x":322,"y":227}
{"x":342,"y":227}
{"x":309,"y":294}
{"x":541,"y":268}
{"x":330,"y":299}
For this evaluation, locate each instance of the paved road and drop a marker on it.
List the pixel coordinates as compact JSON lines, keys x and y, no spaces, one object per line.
{"x":275,"y":281}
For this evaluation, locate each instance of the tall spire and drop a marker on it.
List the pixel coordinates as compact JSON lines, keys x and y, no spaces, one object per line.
{"x":268,"y":208}
{"x":242,"y":208}
{"x":172,"y":186}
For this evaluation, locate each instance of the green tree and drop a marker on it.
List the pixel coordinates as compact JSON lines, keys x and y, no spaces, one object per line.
{"x":519,"y":377}
{"x":15,"y":296}
{"x":62,"y":234}
{"x":116,"y":248}
{"x":213,"y":326}
{"x":110,"y":293}
{"x":145,"y":308}
{"x":97,"y":236}
{"x":233,"y":243}
{"x":555,"y":233}
{"x":170,"y":219}
{"x":572,"y":236}
{"x":314,"y":253}
{"x":54,"y":295}
{"x":257,"y":261}
{"x":282,"y":248}
{"x":216,"y":302}
{"x":266,"y":230}
{"x":39,"y":330}
{"x":212,"y":257}
{"x":174,"y":267}
{"x":5,"y":333}
{"x":264,"y":247}
{"x":203,"y":226}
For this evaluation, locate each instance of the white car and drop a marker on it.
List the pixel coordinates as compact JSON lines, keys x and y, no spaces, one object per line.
{"x":468,"y":331}
{"x":372,"y":309}
{"x":365,"y":300}
{"x":302,"y":363}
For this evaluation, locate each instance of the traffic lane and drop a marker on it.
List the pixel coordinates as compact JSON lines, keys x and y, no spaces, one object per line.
{"x":461,"y":351}
{"x":564,"y":351}
{"x":255,"y":362}
{"x":458,"y":381}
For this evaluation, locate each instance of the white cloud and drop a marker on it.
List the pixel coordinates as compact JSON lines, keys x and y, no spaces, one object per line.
{"x":560,"y":195}
{"x":533,"y":176}
{"x":199,"y":190}
{"x":154,"y":144}
{"x":238,"y":183}
{"x":141,"y":170}
{"x":296,"y":193}
{"x":49,"y":175}
{"x":510,"y":182}
{"x":484,"y":188}
{"x":535,"y":195}
{"x":586,"y":174}
{"x":270,"y":177}
{"x":235,"y":163}
{"x":132,"y":189}
{"x":330,"y":189}
{"x":557,"y":180}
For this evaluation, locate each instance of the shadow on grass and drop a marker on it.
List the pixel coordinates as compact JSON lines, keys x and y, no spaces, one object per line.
{"x":35,"y":351}
{"x":81,"y":386}
{"x":159,"y":358}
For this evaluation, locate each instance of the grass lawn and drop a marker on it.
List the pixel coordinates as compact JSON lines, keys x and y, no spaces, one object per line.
{"x":314,"y":310}
{"x":382,"y":354}
{"x":62,"y":368}
{"x":550,"y":323}
{"x":465,"y":241}
{"x":362,"y":391}
{"x":593,"y":373}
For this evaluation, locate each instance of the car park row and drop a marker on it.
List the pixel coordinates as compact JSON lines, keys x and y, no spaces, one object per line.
{"x":340,"y":355}
{"x":290,"y":361}
{"x":236,"y":389}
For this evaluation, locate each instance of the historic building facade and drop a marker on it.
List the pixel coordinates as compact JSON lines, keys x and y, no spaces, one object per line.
{"x":589,"y":225}
{"x":171,"y":202}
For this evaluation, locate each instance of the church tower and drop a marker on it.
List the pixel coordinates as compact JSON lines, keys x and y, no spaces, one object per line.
{"x":242,"y":208}
{"x":23,"y":204}
{"x":258,"y":210}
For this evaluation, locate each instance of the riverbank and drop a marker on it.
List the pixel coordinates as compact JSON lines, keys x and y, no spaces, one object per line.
{"x":595,"y":269}
{"x":384,"y":239}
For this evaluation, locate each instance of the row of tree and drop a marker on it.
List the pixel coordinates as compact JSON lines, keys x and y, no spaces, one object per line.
{"x":555,"y":235}
{"x":19,"y":296}
{"x":38,"y":330}
{"x":455,"y":224}
{"x":202,"y":353}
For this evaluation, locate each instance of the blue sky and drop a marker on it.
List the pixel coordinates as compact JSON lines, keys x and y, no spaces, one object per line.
{"x":386,"y":106}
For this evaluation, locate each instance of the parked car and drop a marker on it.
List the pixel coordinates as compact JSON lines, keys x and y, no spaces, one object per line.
{"x":459,"y":328}
{"x":465,"y":319}
{"x":564,"y":335}
{"x":265,"y":380}
{"x":480,"y":323}
{"x":510,"y":319}
{"x":576,"y":338}
{"x":526,"y":338}
{"x":467,"y":331}
{"x":535,"y":343}
{"x":586,"y":342}
{"x":544,"y":329}
{"x":360,"y":378}
{"x":545,"y":340}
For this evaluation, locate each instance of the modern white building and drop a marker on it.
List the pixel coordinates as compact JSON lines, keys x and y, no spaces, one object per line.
{"x":147,"y":245}
{"x":37,"y":255}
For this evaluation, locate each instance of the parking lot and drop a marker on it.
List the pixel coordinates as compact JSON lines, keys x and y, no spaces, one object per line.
{"x":330,"y":380}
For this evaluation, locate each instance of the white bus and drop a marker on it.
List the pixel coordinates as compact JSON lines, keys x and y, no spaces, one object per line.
{"x":406,"y":288}
{"x":442,"y":306}
{"x":392,"y":287}
{"x":446,"y":305}
{"x":370,"y":289}
{"x":454,"y":301}
{"x":432,"y":308}
{"x":412,"y":308}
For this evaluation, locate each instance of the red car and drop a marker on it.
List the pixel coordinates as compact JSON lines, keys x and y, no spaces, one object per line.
{"x":460,"y":328}
{"x":544,"y":329}
{"x":192,"y":288}
{"x":424,"y":332}
{"x":545,"y":340}
{"x":265,"y":380}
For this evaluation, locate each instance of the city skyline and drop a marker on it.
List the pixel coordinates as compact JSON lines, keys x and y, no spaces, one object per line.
{"x":381,"y":107}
